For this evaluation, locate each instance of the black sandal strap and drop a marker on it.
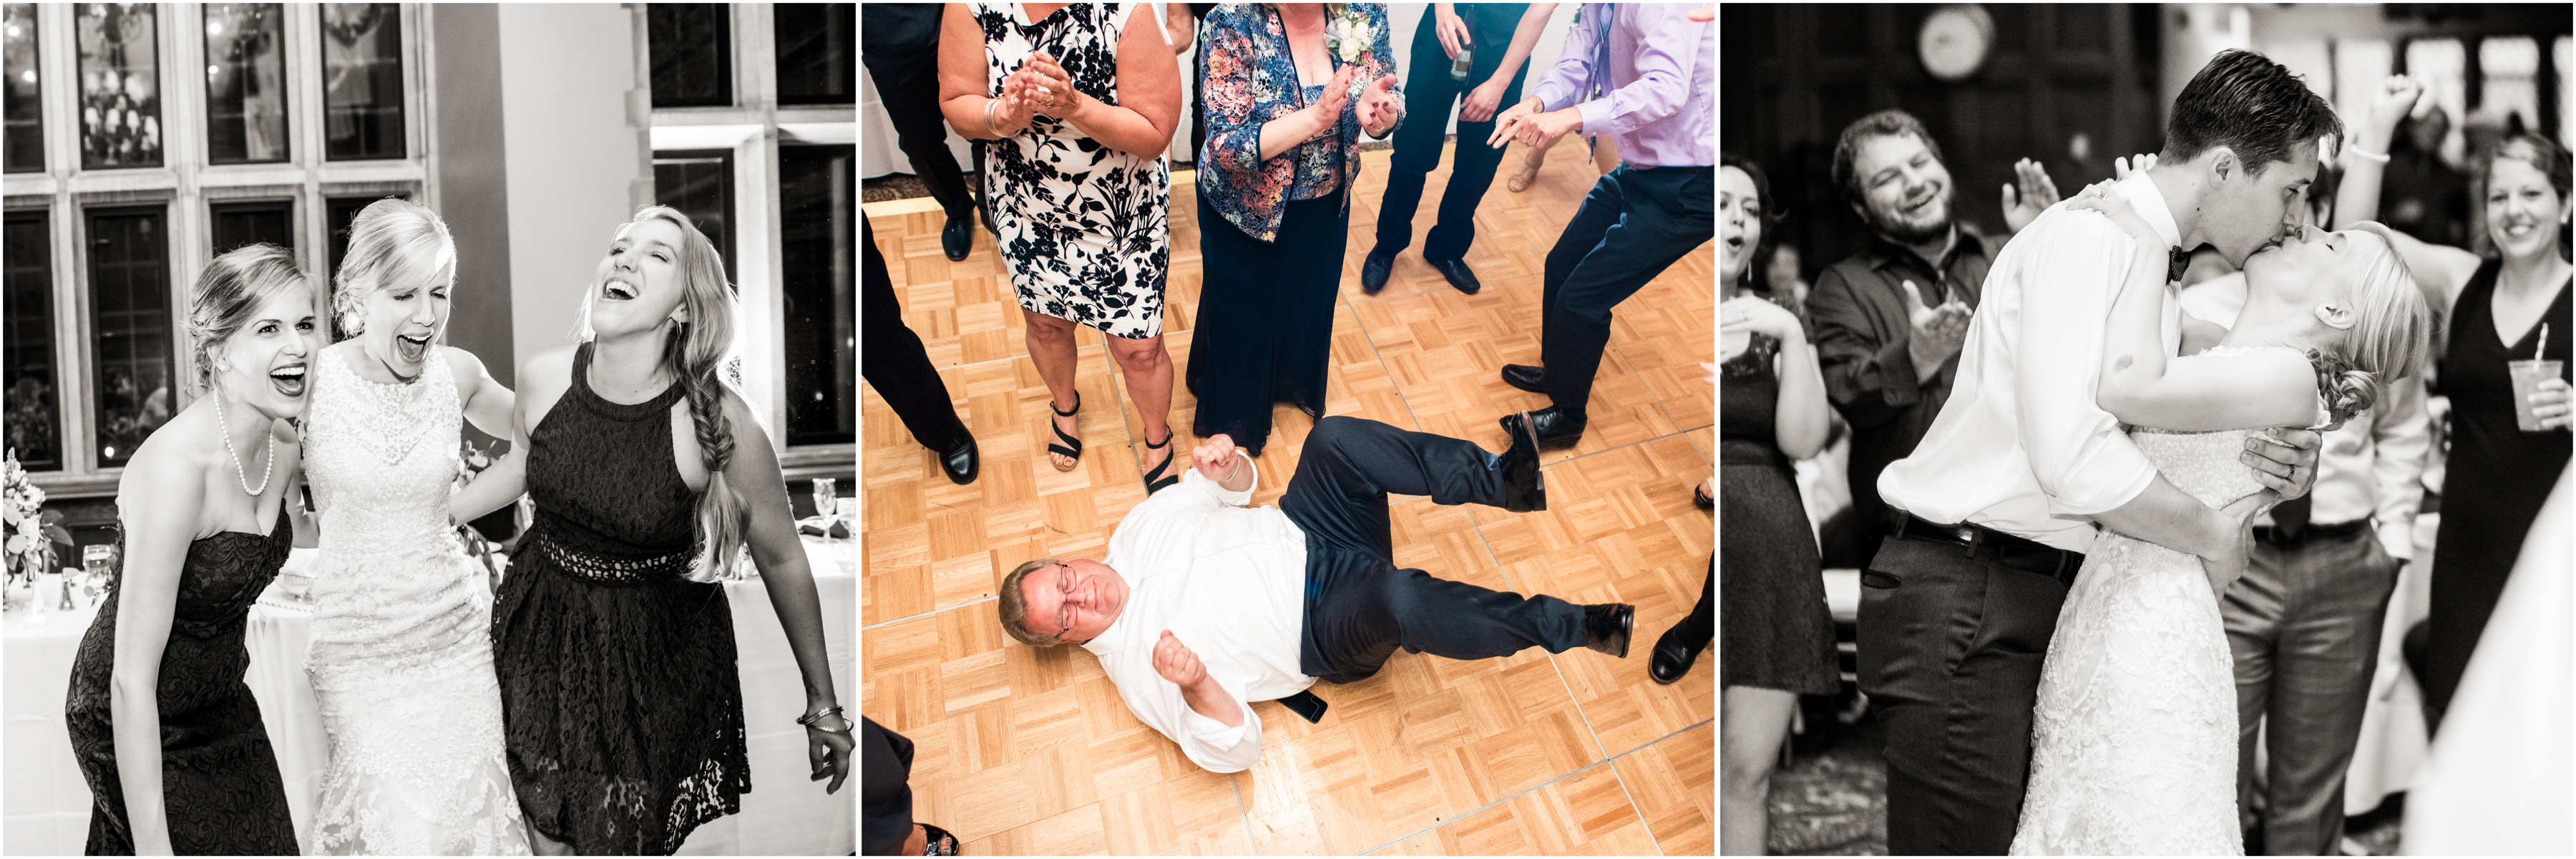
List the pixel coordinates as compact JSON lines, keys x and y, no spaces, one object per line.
{"x":937,"y":841}
{"x":1074,"y":451}
{"x":1156,"y":480}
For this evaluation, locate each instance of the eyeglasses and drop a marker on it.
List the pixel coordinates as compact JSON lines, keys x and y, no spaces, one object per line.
{"x":1064,"y":607}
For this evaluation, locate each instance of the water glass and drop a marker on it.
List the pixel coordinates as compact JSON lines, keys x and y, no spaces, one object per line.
{"x":823,"y":508}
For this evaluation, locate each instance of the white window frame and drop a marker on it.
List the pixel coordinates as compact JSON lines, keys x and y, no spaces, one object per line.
{"x":186,"y":183}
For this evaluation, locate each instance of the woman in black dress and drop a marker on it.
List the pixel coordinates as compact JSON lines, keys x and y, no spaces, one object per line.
{"x":167,"y":734}
{"x":1771,"y":410}
{"x":2497,"y":473}
{"x":611,"y":634}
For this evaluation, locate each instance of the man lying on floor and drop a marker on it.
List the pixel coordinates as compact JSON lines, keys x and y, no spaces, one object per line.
{"x":1205,"y":605}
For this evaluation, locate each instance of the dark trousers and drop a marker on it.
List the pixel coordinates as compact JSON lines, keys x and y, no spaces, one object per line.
{"x":1360,"y":606}
{"x":1701,"y":623}
{"x":2304,"y":624}
{"x":893,"y":361}
{"x":1950,"y":649}
{"x":1428,"y":95}
{"x":885,"y":776}
{"x":906,"y":72}
{"x":1633,"y":225}
{"x":1265,"y":318}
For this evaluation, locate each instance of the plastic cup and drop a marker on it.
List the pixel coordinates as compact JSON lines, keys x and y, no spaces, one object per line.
{"x":2527,"y":376}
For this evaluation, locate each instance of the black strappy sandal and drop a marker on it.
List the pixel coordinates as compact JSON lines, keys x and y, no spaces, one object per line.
{"x":1156,"y":480}
{"x":936,"y":841}
{"x":1068,"y":445}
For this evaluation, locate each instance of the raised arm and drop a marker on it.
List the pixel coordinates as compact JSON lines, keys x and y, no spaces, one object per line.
{"x":160,"y":510}
{"x":771,"y":535}
{"x":2439,"y":270}
{"x":1205,"y":716}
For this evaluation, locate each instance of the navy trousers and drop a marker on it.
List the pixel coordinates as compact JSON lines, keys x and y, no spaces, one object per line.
{"x":1428,"y":96}
{"x":1360,"y":606}
{"x":1634,"y":224}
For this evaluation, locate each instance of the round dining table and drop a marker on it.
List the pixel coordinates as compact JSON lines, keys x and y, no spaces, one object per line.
{"x":45,"y":804}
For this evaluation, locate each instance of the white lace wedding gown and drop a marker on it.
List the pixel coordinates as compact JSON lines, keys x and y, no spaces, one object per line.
{"x":401,"y":659}
{"x":2133,"y":737}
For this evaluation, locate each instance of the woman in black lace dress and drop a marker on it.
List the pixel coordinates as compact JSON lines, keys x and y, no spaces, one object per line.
{"x":1771,"y":410}
{"x":167,"y":734}
{"x":611,"y":633}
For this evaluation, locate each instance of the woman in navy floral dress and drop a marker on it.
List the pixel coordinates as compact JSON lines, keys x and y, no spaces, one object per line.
{"x":1289,"y":89}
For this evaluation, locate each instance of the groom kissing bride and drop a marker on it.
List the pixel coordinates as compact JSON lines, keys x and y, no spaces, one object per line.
{"x":2041,"y":636}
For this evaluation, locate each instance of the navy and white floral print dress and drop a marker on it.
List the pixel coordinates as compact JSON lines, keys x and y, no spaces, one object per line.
{"x":1086,"y":229}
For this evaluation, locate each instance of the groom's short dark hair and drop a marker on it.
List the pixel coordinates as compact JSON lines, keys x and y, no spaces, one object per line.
{"x":2246,"y":102}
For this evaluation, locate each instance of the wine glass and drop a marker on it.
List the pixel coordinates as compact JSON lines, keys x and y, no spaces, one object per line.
{"x":98,"y":561}
{"x":823,"y":508}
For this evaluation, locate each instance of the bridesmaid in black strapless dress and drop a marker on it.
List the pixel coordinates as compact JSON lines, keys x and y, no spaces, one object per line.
{"x":218,"y":774}
{"x":251,"y":327}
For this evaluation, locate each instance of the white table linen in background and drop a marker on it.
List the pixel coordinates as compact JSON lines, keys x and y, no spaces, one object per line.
{"x":45,"y":807}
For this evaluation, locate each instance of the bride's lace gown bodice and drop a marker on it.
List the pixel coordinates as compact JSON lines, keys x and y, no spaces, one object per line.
{"x":2133,"y":737}
{"x":401,"y":660}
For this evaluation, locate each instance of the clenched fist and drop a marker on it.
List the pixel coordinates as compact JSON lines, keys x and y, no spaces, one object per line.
{"x":1215,"y":457}
{"x":1176,"y":663}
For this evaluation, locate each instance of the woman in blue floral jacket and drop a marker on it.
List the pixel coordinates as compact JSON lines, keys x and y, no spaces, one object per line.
{"x":1289,"y":88}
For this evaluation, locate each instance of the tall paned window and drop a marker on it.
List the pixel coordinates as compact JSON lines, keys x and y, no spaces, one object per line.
{"x":700,"y":185}
{"x":692,"y":48}
{"x":253,"y":222}
{"x":120,"y":85}
{"x":818,"y":198}
{"x":129,"y":276}
{"x":814,"y":53}
{"x":245,"y":83}
{"x":35,"y":406}
{"x":362,"y":81}
{"x":25,"y":112}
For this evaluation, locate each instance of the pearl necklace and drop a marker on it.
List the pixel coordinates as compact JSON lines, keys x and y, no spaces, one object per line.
{"x":238,"y":473}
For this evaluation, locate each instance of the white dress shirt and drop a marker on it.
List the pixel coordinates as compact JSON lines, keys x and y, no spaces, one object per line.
{"x":2021,"y":447}
{"x":2371,"y":468}
{"x":1229,"y":581}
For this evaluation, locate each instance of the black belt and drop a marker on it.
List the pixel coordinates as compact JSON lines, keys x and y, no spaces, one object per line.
{"x":2020,"y":553}
{"x":2276,"y":537}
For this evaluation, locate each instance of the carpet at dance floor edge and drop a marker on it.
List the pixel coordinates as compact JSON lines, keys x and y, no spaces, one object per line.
{"x":1832,"y":801}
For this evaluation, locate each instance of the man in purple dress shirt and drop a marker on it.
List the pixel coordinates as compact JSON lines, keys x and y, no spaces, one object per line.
{"x":1643,"y":74}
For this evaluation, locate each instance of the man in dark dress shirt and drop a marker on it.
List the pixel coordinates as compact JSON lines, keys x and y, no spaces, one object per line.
{"x":1889,"y":353}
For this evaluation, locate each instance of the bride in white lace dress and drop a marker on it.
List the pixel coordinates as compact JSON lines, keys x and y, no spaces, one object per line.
{"x":2133,"y":737}
{"x":401,"y":658}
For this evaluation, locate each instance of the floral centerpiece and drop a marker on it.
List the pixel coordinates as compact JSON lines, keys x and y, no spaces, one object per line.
{"x":471,"y":460}
{"x":33,"y":530}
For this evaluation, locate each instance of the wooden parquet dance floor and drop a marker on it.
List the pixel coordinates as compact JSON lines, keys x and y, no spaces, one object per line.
{"x":1029,"y":750}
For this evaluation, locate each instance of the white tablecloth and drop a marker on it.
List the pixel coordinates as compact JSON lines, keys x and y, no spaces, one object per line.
{"x":45,"y":806}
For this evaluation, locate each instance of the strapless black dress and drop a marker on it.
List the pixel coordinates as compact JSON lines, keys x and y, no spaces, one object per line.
{"x":221,"y":790}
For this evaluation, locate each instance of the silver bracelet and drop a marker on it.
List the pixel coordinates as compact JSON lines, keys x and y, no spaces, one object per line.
{"x":808,"y":720}
{"x":2380,"y":157}
{"x":989,"y":127}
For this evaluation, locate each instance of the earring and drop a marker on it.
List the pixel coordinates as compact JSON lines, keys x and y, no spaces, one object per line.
{"x":2334,"y":317}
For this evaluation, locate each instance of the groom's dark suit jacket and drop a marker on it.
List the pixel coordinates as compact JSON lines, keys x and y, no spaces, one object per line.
{"x":1862,"y":332}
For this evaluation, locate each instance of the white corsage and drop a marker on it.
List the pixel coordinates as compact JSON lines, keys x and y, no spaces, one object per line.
{"x":1350,"y":35}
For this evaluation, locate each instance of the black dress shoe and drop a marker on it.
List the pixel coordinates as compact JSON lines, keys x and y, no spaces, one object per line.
{"x":1554,"y":426}
{"x":1524,"y":488}
{"x":1526,"y":377}
{"x":1374,"y":269}
{"x":1607,"y":626}
{"x":1674,"y":655}
{"x":958,"y":238}
{"x":961,"y":462}
{"x":1457,"y":273}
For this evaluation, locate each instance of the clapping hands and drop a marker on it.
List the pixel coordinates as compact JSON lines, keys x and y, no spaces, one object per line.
{"x":1380,"y":107}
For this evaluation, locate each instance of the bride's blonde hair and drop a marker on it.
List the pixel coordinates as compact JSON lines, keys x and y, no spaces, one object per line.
{"x":2391,"y":328}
